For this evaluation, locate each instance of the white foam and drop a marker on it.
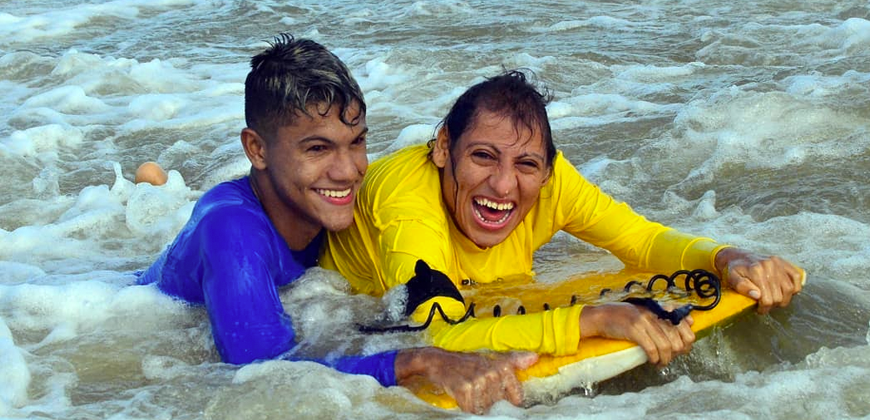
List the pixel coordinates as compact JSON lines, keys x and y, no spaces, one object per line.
{"x":850,"y":36}
{"x":163,"y":368}
{"x":67,"y":99}
{"x":824,"y":86}
{"x":162,"y":76}
{"x":325,"y":317}
{"x":14,"y":374}
{"x":591,"y":110}
{"x":764,"y":130}
{"x":605,"y":22}
{"x":60,"y":21}
{"x":410,"y":135}
{"x":155,"y":107}
{"x":437,"y":8}
{"x":161,"y":210}
{"x":378,"y":75}
{"x":653,"y":74}
{"x":13,"y":272}
{"x":43,"y":141}
{"x":70,"y":306}
{"x":526,"y":60}
{"x":142,"y":95}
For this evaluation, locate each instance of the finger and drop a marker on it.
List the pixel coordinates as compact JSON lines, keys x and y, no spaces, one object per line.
{"x":775,"y":287}
{"x":493,"y":386}
{"x":646,"y":343}
{"x":757,"y":287}
{"x":482,"y":402}
{"x":687,"y":336}
{"x":771,"y":294}
{"x":796,"y":275}
{"x":786,"y":289}
{"x":513,"y":389}
{"x":523,"y":360}
{"x":741,"y":284}
{"x":674,"y":334}
{"x":483,"y":393}
{"x":464,"y":398}
{"x":479,"y":407}
{"x":661,"y":342}
{"x":638,"y":333}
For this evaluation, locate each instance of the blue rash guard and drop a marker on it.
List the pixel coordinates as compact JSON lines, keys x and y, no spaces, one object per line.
{"x":230,"y":258}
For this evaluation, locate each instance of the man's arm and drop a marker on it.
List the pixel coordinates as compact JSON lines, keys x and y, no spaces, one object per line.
{"x":248,"y":320}
{"x":475,"y":380}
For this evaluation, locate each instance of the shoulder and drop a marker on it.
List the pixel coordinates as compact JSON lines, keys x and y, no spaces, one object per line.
{"x":236,"y":192}
{"x":406,"y":160}
{"x":565,"y":177}
{"x":406,"y":175}
{"x":230,"y":207}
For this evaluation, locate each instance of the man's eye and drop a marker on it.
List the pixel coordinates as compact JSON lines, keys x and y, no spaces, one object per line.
{"x":317,"y":148}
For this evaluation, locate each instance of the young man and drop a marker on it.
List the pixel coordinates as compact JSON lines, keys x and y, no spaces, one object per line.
{"x":305,"y":139}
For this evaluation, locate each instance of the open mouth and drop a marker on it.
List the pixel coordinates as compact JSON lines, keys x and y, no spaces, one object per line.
{"x":336,"y":196}
{"x":492,"y":214}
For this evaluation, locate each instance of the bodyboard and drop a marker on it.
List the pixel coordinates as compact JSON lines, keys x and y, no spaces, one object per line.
{"x":597,"y":359}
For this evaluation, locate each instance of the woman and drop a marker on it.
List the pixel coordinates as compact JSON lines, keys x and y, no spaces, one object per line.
{"x":491,"y":189}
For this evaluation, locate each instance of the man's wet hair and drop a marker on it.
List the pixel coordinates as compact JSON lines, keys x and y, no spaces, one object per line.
{"x":292,"y":75}
{"x":512,"y":95}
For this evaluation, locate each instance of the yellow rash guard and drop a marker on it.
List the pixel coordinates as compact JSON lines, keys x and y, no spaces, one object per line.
{"x":400,"y":217}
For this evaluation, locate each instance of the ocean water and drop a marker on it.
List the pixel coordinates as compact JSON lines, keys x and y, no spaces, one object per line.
{"x":744,"y":121}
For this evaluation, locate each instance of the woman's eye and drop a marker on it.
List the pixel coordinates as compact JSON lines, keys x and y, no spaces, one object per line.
{"x":359,"y":140}
{"x":529,"y":164}
{"x":482,"y":155}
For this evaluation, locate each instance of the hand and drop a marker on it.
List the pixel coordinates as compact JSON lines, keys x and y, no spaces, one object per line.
{"x":772,"y":281}
{"x":661,"y":340}
{"x":475,"y":380}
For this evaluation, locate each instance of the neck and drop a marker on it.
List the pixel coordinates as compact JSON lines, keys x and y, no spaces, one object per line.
{"x":297,"y":231}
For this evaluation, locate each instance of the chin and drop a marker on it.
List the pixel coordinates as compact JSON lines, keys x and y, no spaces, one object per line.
{"x":337,"y":224}
{"x":484,"y":238}
{"x":488,"y":240}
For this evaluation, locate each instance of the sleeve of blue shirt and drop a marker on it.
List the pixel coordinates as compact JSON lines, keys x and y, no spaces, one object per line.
{"x":247,"y":319}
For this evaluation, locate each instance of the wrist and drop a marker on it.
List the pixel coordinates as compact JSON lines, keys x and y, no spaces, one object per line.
{"x":722,"y":258}
{"x":411,"y":362}
{"x":589,"y":321}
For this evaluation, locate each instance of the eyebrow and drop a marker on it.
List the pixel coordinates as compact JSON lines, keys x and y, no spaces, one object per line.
{"x":329,"y":140}
{"x":534,"y":155}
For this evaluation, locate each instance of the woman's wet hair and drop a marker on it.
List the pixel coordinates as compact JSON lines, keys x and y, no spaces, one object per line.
{"x":512,"y":95}
{"x":292,"y":75}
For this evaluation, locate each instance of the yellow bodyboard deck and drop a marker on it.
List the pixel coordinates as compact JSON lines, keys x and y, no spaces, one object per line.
{"x":597,"y":359}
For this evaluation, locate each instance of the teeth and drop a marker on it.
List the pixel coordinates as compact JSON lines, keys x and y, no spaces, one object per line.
{"x":480,"y":216}
{"x":493,"y":205}
{"x":334,"y":193}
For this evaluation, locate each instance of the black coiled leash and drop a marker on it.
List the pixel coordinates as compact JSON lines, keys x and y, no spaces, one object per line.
{"x":436,"y":307}
{"x":704,"y":283}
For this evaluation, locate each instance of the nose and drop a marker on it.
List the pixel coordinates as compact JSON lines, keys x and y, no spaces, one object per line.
{"x":348,"y":166}
{"x":504,"y":180}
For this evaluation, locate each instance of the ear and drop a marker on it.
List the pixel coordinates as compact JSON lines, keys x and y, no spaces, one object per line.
{"x":441,"y":150}
{"x":547,"y":176}
{"x":421,"y":269}
{"x":255,"y":148}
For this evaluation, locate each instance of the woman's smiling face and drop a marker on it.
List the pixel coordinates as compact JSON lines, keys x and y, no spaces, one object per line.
{"x":493,"y":176}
